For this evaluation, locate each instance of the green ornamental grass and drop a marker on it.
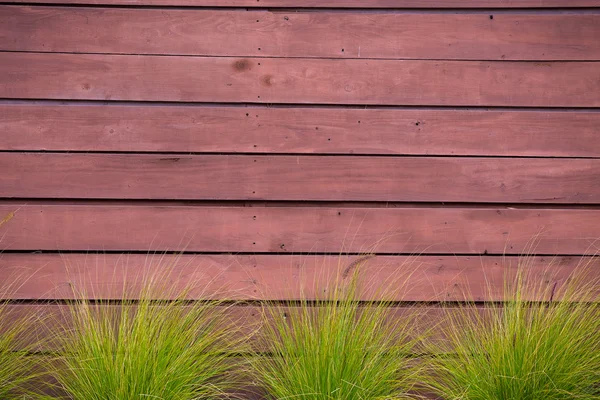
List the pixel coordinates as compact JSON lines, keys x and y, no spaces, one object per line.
{"x":336,"y":347}
{"x":542,"y":344}
{"x":147,"y":349}
{"x":17,"y":340}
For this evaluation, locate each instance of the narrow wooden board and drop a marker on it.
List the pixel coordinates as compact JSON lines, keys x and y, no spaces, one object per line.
{"x":341,"y":3}
{"x":295,"y":80}
{"x":298,"y":229}
{"x":331,"y":178}
{"x":273,"y":277}
{"x":30,"y":126}
{"x":294,"y":34}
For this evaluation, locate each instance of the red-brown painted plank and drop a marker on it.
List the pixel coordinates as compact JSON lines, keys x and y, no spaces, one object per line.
{"x":50,"y":319}
{"x":284,"y":80}
{"x":301,"y":34}
{"x":331,"y":178}
{"x":249,"y":321}
{"x":343,"y":3}
{"x":274,"y":277}
{"x":298,"y":130}
{"x":298,"y":229}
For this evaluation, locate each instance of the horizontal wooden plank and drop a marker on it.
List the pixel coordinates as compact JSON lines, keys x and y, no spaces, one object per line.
{"x":250,"y":321}
{"x":54,"y":318}
{"x":279,"y":34}
{"x":341,"y":3}
{"x":284,"y":80}
{"x":273,"y":277}
{"x":298,"y":229}
{"x":298,"y":130}
{"x":333,"y":178}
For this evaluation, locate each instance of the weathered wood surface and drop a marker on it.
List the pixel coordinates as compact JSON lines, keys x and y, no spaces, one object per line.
{"x":254,"y":53}
{"x":422,"y":230}
{"x":249,"y":320}
{"x":301,"y":34}
{"x":332,"y":178}
{"x":341,"y":3}
{"x":273,"y":277}
{"x":117,"y":128}
{"x":295,"y":80}
{"x":252,"y":322}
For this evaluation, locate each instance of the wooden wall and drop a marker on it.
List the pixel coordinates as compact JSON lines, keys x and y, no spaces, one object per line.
{"x":262,"y":138}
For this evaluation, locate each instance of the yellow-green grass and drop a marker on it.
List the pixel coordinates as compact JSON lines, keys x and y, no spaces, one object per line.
{"x":337,"y":346}
{"x":158,"y":346}
{"x":542,"y":342}
{"x":17,"y":341}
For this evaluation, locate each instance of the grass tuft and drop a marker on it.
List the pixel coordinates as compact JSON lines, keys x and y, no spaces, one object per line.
{"x":169,"y":349}
{"x":543,"y":343}
{"x":337,"y":347}
{"x":17,"y":341}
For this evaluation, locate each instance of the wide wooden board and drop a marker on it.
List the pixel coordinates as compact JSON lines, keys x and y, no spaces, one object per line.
{"x":423,"y":230}
{"x":185,"y":129}
{"x":274,"y":277}
{"x":280,"y":34}
{"x":332,"y":178}
{"x":298,"y":80}
{"x":249,"y":322}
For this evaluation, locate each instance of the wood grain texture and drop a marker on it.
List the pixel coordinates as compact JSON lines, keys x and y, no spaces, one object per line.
{"x":273,"y":277}
{"x":298,"y":130}
{"x":250,"y":320}
{"x":330,"y":178}
{"x":58,"y":317}
{"x":341,"y":3}
{"x":388,"y":82}
{"x":301,"y":34}
{"x":298,"y":229}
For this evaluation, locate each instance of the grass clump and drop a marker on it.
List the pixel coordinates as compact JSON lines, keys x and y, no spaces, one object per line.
{"x":17,"y":340}
{"x":542,"y":343}
{"x":169,"y":349}
{"x":336,"y":347}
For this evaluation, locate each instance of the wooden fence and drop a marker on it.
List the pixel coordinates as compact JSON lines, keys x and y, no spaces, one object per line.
{"x":264,"y":138}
